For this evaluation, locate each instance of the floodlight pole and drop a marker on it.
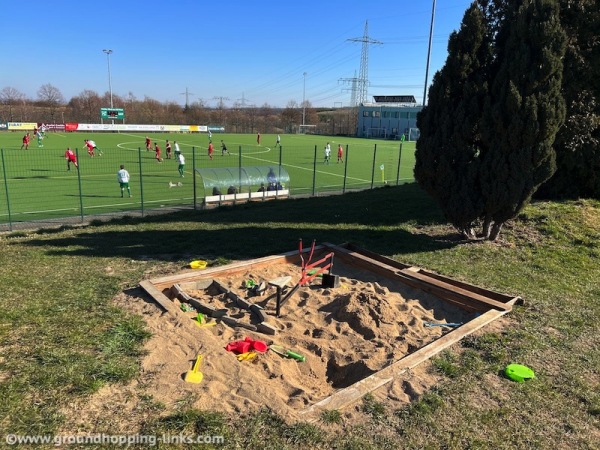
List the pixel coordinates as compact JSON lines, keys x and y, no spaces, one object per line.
{"x":428,"y":54}
{"x":304,"y":100}
{"x":108,"y":52}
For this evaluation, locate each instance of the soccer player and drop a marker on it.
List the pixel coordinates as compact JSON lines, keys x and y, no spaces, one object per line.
{"x":340,"y":154}
{"x":209,"y":135}
{"x":181,"y":159}
{"x":258,"y":138}
{"x":327,"y":153}
{"x":157,"y":150}
{"x":25,"y":142}
{"x":177,"y":150}
{"x":148,"y":144}
{"x":211,"y":149}
{"x":90,"y":148}
{"x":168,"y":149}
{"x":39,"y":138}
{"x":71,"y":158}
{"x":278,"y":141}
{"x":123,"y":179}
{"x":224,"y":149}
{"x":94,"y":147}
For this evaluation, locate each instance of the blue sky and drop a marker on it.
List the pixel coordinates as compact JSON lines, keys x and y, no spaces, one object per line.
{"x":256,"y":51}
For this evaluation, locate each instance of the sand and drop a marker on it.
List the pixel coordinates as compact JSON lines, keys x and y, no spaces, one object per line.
{"x":345,"y":333}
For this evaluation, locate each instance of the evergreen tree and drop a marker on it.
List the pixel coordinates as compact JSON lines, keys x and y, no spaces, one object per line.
{"x":447,"y":155}
{"x":494,"y":110}
{"x":578,"y":141}
{"x":523,"y":112}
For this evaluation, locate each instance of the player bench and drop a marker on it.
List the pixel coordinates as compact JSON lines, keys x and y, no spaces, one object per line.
{"x":245,"y":197}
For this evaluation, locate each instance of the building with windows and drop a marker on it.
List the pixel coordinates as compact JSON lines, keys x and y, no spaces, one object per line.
{"x":388,"y":117}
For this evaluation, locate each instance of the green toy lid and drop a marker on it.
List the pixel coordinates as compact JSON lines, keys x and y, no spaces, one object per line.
{"x":518,"y":372}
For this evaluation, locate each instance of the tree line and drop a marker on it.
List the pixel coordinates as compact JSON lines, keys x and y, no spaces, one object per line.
{"x":50,"y":106}
{"x":514,"y":112}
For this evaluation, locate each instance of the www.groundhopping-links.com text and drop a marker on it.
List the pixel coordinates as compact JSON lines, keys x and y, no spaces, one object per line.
{"x":113,"y":439}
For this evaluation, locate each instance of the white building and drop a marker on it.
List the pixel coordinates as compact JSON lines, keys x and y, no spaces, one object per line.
{"x":388,"y":117}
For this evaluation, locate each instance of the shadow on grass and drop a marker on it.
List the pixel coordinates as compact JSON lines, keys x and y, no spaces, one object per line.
{"x":376,"y":219}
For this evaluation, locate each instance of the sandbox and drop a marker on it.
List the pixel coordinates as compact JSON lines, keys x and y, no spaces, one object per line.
{"x":379,"y":320}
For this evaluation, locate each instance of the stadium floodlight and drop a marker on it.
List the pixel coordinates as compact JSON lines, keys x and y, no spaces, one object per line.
{"x":304,"y":99}
{"x":108,"y":52}
{"x":428,"y":53}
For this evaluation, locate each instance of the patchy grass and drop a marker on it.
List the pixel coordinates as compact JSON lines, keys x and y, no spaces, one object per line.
{"x":61,"y":338}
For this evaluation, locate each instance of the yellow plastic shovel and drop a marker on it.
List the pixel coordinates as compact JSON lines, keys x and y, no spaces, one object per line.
{"x":194,"y":375}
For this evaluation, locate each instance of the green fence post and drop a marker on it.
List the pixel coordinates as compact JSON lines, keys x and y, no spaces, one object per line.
{"x":314,"y":172}
{"x":373,"y":170}
{"x":399,"y":159}
{"x":239,"y":172}
{"x":79,"y":182}
{"x":6,"y":191}
{"x":141,"y":180}
{"x":194,"y":178}
{"x":345,"y":170}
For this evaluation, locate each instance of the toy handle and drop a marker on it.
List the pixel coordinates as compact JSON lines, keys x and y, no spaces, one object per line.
{"x":295,"y":356}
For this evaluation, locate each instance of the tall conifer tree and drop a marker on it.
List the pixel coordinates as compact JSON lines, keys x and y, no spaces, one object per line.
{"x":523,"y":112}
{"x":447,"y":155}
{"x":494,"y":110}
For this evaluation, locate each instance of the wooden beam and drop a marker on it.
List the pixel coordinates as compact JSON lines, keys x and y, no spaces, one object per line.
{"x":351,"y":394}
{"x":164,"y":302}
{"x":472,"y":298}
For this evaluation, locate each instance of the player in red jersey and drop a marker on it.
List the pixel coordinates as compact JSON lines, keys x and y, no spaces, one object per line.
{"x":90,"y":147}
{"x":148,"y":144}
{"x":210,"y":149}
{"x":157,"y":150}
{"x":71,"y":158}
{"x":25,"y":142}
{"x":168,"y":149}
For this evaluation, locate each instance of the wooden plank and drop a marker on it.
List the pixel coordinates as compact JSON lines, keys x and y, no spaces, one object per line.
{"x":502,"y":298}
{"x":164,"y":302}
{"x":291,"y":257}
{"x":376,"y":256}
{"x":457,"y":296}
{"x":462,"y":302}
{"x":455,"y":290}
{"x":351,"y":394}
{"x":359,"y":260}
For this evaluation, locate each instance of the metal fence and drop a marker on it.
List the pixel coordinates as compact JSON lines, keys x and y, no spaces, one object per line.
{"x":37,"y":190}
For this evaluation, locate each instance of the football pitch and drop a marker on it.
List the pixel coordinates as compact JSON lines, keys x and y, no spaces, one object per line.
{"x":35,"y":183}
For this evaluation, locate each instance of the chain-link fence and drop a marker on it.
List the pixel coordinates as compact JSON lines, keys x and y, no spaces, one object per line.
{"x":42,"y":188}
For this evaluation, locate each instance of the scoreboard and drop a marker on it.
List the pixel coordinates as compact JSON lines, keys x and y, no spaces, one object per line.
{"x":112,"y":113}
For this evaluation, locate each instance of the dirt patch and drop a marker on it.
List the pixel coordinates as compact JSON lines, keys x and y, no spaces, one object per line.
{"x":345,"y":333}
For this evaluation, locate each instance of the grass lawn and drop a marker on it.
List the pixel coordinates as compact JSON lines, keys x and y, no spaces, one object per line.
{"x":35,"y":183}
{"x":62,"y":337}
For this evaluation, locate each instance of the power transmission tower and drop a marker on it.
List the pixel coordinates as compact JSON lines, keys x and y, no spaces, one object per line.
{"x":187,"y":97}
{"x":363,"y":76}
{"x":243,"y":101}
{"x":221,"y":100}
{"x":353,"y":89}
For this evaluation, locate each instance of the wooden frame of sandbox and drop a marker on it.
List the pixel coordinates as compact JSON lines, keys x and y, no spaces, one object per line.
{"x":489,"y":306}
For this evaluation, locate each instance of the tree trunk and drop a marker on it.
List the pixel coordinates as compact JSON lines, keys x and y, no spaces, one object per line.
{"x":495,"y":232}
{"x":487,"y":224}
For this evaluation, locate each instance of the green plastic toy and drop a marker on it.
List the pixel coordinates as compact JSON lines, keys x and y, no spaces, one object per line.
{"x":519,"y":373}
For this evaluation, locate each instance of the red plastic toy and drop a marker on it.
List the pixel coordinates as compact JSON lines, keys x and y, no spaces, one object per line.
{"x":246,"y":345}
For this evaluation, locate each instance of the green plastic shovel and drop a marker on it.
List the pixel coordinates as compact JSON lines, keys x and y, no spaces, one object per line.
{"x":280,"y":350}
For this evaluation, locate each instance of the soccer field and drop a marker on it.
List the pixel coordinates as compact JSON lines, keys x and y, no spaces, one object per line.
{"x":37,"y":186}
